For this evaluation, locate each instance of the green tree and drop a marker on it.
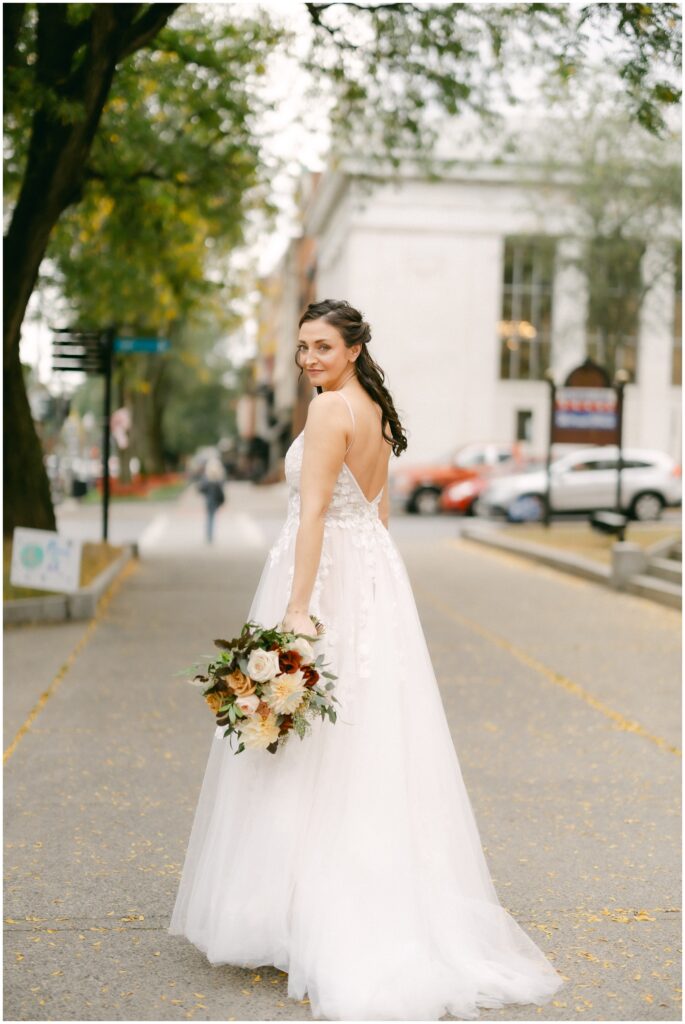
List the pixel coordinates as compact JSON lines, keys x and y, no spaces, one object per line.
{"x":174,"y":173}
{"x":169,"y":163}
{"x":202,"y":390}
{"x":394,"y":69}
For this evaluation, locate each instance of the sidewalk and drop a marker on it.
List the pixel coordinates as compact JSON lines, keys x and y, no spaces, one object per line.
{"x":578,"y":810}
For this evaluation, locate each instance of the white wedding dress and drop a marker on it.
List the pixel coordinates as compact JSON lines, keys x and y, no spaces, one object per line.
{"x":351,"y":859}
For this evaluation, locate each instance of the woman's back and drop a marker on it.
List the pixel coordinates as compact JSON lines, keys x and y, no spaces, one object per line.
{"x":367,"y":452}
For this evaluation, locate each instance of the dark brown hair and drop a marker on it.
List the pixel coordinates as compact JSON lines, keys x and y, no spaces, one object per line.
{"x":354,"y":330}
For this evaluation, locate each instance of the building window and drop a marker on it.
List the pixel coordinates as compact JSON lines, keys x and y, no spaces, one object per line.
{"x":524,"y":425}
{"x":614,"y":277}
{"x":677,"y":360}
{"x":526,"y":325}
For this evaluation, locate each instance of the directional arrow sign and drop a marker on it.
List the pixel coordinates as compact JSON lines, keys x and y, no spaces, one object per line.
{"x":141,"y":344}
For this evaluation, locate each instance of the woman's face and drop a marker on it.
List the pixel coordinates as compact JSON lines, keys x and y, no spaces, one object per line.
{"x":323,"y":355}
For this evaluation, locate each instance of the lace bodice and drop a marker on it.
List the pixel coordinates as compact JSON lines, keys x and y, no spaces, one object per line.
{"x":349,"y":510}
{"x":348,"y":502}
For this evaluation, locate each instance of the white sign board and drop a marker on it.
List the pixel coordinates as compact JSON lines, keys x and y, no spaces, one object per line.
{"x":44,"y":560}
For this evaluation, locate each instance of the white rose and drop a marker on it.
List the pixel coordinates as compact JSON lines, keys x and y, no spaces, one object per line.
{"x":248,"y":704}
{"x":263,"y":665}
{"x":304,"y":648}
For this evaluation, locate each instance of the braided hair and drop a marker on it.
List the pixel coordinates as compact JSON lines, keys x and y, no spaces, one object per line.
{"x":354,"y":330}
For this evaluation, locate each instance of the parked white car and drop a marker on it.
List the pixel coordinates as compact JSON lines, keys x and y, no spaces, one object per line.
{"x":585,"y":481}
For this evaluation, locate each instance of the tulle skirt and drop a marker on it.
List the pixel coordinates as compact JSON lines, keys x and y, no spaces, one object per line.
{"x":351,"y":859}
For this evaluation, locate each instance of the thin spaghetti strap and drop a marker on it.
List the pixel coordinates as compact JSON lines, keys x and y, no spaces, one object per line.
{"x":347,"y":403}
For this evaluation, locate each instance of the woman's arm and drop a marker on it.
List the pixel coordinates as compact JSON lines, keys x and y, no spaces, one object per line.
{"x":325,"y":442}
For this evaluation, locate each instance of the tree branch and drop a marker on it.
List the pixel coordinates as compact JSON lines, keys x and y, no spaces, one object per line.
{"x":146,"y":28}
{"x":12,"y":20}
{"x":93,"y":175}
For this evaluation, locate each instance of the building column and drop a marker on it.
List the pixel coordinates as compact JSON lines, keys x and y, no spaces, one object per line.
{"x":655,"y":347}
{"x":569,"y":309}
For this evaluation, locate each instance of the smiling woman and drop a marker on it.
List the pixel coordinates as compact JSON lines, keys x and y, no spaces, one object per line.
{"x":382,"y":907}
{"x":334,"y":335}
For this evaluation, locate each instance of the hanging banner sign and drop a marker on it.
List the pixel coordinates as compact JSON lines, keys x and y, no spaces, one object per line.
{"x":45,"y":560}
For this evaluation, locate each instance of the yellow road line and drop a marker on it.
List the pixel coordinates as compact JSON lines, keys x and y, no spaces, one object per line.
{"x":90,"y":629}
{"x":619,"y":720}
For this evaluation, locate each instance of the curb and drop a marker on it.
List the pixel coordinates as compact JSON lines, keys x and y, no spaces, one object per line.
{"x":79,"y":606}
{"x":573,"y":564}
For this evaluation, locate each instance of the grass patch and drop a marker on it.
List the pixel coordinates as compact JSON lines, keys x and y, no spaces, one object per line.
{"x":581,"y":539}
{"x":95,"y":557}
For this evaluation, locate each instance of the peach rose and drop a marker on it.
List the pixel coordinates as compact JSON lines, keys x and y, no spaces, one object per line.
{"x":241,"y":685}
{"x":215,"y":700}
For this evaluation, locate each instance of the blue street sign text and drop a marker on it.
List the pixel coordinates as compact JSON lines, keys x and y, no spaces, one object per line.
{"x":141,"y":344}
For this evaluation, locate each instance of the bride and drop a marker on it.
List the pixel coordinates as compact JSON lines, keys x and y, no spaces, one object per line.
{"x":352,"y":859}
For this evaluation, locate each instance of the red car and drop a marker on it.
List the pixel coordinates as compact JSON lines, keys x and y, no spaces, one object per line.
{"x":420,"y":489}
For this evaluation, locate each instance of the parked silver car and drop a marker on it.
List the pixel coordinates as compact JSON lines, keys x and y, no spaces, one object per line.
{"x":585,"y":481}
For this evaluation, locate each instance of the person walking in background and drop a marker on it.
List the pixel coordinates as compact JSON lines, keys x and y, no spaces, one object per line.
{"x":212,"y":487}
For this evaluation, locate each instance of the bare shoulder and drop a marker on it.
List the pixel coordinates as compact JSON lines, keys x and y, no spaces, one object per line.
{"x":324,"y":407}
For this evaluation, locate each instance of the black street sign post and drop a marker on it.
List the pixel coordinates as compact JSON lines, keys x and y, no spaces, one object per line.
{"x":588,"y":409}
{"x":107,"y":341}
{"x":547,"y":513}
{"x":621,"y":378}
{"x":90,"y":352}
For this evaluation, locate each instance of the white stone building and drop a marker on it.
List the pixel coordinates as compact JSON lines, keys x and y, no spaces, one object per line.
{"x":469,"y":286}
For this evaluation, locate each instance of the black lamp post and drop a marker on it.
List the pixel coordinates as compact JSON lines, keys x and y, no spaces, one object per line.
{"x":621,"y":378}
{"x":549,"y":377}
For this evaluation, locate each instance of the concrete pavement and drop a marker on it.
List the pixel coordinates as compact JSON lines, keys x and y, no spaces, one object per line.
{"x":563,"y":700}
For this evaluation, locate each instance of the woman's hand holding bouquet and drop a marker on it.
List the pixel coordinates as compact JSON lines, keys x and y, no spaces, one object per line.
{"x":268,"y":681}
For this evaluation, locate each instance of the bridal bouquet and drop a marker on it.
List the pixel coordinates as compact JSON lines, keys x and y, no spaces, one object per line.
{"x":265,"y":683}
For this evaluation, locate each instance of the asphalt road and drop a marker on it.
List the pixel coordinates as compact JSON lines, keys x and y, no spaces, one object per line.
{"x":563,"y":699}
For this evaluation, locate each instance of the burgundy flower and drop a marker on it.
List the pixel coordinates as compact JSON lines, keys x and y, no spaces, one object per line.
{"x":311,"y":676}
{"x":289,"y":661}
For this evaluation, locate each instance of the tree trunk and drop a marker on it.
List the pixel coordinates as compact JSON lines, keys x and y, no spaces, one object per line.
{"x":158,"y":404}
{"x":57,"y":156}
{"x":27,"y":489}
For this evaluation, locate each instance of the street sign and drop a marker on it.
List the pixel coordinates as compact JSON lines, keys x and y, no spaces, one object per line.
{"x":74,"y":350}
{"x":90,"y":351}
{"x":141,"y":344}
{"x":585,"y":409}
{"x":45,"y":560}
